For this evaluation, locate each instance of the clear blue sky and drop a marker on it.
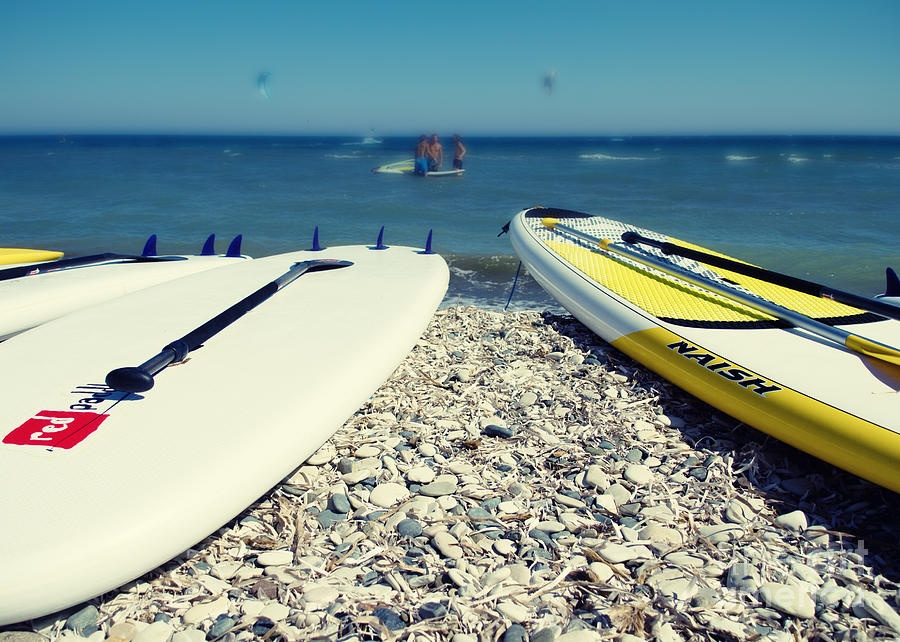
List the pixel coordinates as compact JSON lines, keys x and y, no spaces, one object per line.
{"x":623,"y":67}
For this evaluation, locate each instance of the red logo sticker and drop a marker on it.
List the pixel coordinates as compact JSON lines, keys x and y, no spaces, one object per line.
{"x":55,"y":428}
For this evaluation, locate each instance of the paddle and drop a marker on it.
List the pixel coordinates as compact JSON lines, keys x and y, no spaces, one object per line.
{"x":140,"y":378}
{"x":62,"y":264}
{"x":849,"y":340}
{"x":794,"y":283}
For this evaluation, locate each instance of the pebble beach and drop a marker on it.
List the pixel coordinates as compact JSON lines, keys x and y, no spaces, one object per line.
{"x":518,"y":479}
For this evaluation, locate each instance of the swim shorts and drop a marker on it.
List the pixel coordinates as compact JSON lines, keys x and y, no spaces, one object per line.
{"x":421,"y":167}
{"x":457,"y":163}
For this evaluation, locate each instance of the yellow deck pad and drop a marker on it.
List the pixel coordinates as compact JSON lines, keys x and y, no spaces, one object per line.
{"x":667,"y":298}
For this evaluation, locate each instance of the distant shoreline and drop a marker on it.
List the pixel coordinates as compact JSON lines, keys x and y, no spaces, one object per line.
{"x":388,"y":138}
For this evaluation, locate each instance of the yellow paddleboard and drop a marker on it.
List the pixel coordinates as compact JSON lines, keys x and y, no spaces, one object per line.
{"x":9,"y":255}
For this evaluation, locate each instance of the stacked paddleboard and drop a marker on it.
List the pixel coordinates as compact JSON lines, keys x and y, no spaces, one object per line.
{"x":820,"y":375}
{"x":101,"y":486}
{"x":37,"y":293}
{"x":10,"y":255}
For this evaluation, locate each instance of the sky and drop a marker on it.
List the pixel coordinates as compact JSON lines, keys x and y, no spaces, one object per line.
{"x":397,"y":68}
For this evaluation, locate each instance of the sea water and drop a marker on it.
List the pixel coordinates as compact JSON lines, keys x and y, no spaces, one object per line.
{"x":821,"y":208}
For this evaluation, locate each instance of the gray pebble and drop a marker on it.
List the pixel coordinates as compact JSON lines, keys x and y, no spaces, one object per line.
{"x":328,"y":518}
{"x":431,"y":610}
{"x":389,"y":618}
{"x":515,"y":633}
{"x":634,"y":455}
{"x":545,"y":635}
{"x":497,"y":431}
{"x":84,"y":621}
{"x":477,"y":512}
{"x":339,"y":503}
{"x":409,"y":528}
{"x":221,"y":627}
{"x":699,"y":473}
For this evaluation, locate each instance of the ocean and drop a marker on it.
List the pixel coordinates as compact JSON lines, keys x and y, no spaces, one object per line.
{"x":821,"y":208}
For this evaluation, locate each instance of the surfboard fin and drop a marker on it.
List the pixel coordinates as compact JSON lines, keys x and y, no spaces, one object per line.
{"x":209,"y":247}
{"x":150,"y":246}
{"x":380,"y":244}
{"x":316,"y":247}
{"x":428,"y":249}
{"x":234,"y":250}
{"x":892,"y":288}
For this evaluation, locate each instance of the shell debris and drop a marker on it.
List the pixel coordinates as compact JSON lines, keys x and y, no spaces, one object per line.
{"x":517,"y":478}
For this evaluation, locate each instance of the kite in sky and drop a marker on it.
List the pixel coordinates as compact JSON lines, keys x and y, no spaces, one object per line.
{"x":549,"y":79}
{"x":262,"y":84}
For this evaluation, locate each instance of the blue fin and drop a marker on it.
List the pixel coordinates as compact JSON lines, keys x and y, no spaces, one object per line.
{"x":893,"y":283}
{"x":428,"y":249}
{"x":234,"y":250}
{"x":380,"y":245}
{"x":150,"y":246}
{"x":316,"y":247}
{"x":209,"y":247}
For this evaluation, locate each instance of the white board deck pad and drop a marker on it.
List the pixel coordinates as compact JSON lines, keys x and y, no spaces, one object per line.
{"x":28,"y":301}
{"x":100,"y":486}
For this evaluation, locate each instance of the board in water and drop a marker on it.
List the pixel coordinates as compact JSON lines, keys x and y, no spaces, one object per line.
{"x":106,"y":485}
{"x":446,"y":172}
{"x":399,"y":167}
{"x":38,"y":293}
{"x":829,"y":387}
{"x":10,"y":255}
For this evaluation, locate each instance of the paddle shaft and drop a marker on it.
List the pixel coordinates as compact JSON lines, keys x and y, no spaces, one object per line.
{"x":140,"y":378}
{"x":851,"y":341}
{"x":792,"y":282}
{"x":79,"y":261}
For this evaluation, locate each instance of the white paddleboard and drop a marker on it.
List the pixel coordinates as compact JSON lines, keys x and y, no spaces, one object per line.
{"x":445,"y":172}
{"x":99,"y":487}
{"x":31,"y":300}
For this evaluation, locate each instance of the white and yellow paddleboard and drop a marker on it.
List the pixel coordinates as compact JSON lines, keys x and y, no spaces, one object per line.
{"x":10,"y":255}
{"x":815,"y":394}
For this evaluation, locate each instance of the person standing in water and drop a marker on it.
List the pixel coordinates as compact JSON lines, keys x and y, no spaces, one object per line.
{"x":459,"y":152}
{"x":435,"y":154}
{"x":421,"y":156}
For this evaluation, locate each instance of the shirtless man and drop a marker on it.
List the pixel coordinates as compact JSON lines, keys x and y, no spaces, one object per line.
{"x":421,"y":162}
{"x":435,"y":154}
{"x":459,"y":152}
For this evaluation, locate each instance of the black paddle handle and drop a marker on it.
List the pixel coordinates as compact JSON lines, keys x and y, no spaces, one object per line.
{"x":61,"y":264}
{"x":140,"y":378}
{"x":785,"y":280}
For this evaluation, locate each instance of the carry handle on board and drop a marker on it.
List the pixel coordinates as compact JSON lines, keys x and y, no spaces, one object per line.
{"x":800,"y":285}
{"x":140,"y":378}
{"x":852,"y":342}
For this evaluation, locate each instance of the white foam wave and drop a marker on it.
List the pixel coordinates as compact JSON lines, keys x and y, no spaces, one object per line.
{"x":796,"y":159}
{"x":738,"y":157}
{"x":355,"y":155}
{"x":615,"y":158}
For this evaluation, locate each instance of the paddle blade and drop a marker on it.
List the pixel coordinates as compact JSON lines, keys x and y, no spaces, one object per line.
{"x":129,"y":380}
{"x":873,"y":349}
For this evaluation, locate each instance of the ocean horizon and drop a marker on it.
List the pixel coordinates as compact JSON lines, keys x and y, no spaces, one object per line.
{"x":820,"y":207}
